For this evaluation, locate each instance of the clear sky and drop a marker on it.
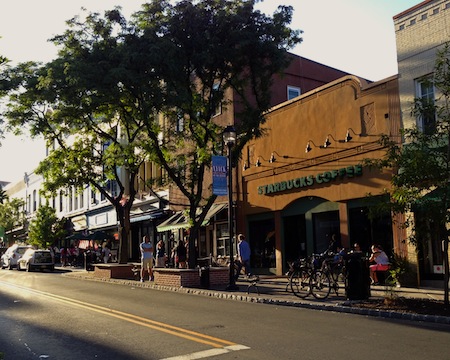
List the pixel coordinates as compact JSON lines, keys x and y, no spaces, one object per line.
{"x":356,"y":36}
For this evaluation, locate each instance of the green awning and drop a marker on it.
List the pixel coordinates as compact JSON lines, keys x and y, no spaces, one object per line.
{"x":175,"y":222}
{"x":180,"y":221}
{"x":433,"y":199}
{"x":215,"y":209}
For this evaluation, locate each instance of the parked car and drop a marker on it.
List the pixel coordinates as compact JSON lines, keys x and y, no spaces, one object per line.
{"x":34,"y":259}
{"x":12,"y":255}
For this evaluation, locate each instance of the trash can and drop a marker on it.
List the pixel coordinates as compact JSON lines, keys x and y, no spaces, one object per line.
{"x":203,"y":272}
{"x":88,"y":261}
{"x":357,"y":277}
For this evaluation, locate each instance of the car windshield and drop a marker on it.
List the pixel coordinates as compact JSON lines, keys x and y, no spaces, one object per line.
{"x":21,"y":250}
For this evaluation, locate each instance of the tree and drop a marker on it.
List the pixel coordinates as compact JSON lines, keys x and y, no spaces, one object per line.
{"x":45,"y":229}
{"x":91,"y":104}
{"x":3,"y":195}
{"x":421,"y":183}
{"x":121,"y":93}
{"x":12,"y":215}
{"x":210,"y":49}
{"x":3,"y":62}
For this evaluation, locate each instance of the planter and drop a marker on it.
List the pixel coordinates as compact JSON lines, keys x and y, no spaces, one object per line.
{"x":218,"y":276}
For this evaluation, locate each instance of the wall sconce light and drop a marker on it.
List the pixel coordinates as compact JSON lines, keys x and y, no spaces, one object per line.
{"x":327,"y":141}
{"x":348,"y":137}
{"x":308,"y":146}
{"x":273,"y":158}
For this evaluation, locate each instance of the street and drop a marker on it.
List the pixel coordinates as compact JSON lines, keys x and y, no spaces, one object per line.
{"x":51,"y":316}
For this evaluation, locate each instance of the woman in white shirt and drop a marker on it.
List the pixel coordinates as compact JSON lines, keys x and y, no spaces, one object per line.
{"x":381,"y":261}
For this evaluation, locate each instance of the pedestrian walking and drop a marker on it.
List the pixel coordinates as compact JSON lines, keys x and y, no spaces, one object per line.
{"x":244,"y":253}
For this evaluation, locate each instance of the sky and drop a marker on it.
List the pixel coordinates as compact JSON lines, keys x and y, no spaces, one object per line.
{"x":356,"y":36}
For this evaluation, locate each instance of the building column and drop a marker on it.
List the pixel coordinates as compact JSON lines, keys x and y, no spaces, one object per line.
{"x":344,"y":225}
{"x":278,"y":244}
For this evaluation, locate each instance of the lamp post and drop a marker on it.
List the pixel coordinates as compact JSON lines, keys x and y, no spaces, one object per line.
{"x":229,"y":138}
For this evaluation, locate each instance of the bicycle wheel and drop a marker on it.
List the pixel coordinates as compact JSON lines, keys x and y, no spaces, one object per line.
{"x":320,"y":285}
{"x":300,"y":280}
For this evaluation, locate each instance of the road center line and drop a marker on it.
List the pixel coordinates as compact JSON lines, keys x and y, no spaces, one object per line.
{"x":159,"y":326}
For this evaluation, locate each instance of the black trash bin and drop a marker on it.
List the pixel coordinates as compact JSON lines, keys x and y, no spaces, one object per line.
{"x":88,"y":261}
{"x":357,"y":277}
{"x":203,"y":272}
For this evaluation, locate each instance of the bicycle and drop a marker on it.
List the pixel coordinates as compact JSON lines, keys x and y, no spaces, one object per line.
{"x":300,"y":277}
{"x":327,"y":276}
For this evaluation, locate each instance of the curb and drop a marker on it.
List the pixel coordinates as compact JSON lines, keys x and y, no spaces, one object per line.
{"x":345,"y":307}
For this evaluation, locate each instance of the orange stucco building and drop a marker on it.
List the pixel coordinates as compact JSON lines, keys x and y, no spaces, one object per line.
{"x":304,"y":181}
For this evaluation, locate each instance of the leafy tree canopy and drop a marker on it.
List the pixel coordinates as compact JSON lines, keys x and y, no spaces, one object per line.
{"x":421,"y":180}
{"x":124,"y":92}
{"x":46,"y":228}
{"x":11,"y":214}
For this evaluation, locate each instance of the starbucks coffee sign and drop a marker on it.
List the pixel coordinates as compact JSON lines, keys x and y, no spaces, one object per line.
{"x":310,"y":180}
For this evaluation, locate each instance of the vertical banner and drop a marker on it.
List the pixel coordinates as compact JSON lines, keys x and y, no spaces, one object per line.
{"x":219,"y":174}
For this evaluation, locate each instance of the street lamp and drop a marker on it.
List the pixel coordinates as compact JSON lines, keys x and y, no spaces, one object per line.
{"x":229,"y":138}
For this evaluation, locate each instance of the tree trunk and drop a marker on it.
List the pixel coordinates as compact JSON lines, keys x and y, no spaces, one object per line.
{"x":123,"y":214}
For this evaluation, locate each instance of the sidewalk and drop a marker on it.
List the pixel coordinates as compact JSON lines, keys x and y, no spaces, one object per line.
{"x":273,"y":290}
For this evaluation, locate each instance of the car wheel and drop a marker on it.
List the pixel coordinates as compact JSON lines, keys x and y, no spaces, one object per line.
{"x":52,"y":268}
{"x":29,"y":268}
{"x":18,"y":266}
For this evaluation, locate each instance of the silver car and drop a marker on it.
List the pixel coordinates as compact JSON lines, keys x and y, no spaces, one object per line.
{"x":12,"y":255}
{"x":34,"y":259}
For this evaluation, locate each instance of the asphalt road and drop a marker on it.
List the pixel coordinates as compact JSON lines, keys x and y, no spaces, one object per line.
{"x":51,"y":316}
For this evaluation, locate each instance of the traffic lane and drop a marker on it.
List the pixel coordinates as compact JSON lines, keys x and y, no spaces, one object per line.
{"x":283,"y":332}
{"x":121,"y":335}
{"x":269,"y":331}
{"x":33,"y":328}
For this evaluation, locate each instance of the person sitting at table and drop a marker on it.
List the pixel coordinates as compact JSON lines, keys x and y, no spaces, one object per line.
{"x":380,"y":263}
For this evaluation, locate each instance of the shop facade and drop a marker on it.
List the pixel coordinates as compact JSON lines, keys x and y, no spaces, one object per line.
{"x":304,"y":184}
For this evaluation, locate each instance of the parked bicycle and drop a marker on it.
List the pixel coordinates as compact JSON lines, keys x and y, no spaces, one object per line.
{"x":329,"y":271}
{"x":300,"y":272}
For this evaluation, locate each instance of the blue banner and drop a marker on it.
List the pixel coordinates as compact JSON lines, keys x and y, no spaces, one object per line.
{"x":219,"y":174}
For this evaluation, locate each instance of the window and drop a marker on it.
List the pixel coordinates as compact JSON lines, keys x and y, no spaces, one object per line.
{"x":61,"y":197}
{"x":180,"y":123}
{"x":70,"y":199}
{"x":293,"y":92}
{"x":217,"y":104}
{"x":426,"y":121}
{"x":34,"y":200}
{"x":93,"y":197}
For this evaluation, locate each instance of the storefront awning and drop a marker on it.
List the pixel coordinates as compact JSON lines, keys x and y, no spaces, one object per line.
{"x":435,"y":199}
{"x":147,"y":216}
{"x":180,"y":221}
{"x":215,"y":209}
{"x":176,"y":221}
